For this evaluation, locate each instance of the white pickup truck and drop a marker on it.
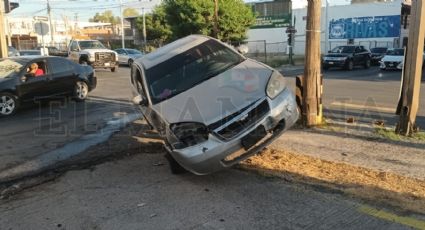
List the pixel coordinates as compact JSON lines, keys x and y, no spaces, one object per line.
{"x":93,"y":53}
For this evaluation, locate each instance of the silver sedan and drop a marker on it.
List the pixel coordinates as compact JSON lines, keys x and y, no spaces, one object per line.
{"x":127,"y":56}
{"x":212,"y":106}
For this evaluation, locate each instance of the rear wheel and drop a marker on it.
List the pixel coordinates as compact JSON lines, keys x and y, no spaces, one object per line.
{"x":81,"y":91}
{"x":130,"y":62}
{"x":8,"y":104}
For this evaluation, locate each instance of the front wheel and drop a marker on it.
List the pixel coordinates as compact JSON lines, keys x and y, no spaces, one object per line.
{"x":81,"y":91}
{"x":367,"y":64}
{"x":349,"y":65}
{"x":130,"y":62}
{"x":8,"y":104}
{"x":175,"y":167}
{"x":114,"y":69}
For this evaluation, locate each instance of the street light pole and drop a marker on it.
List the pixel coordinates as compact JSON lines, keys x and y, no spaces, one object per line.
{"x":122,"y":26}
{"x":144,"y":26}
{"x":327,"y":27}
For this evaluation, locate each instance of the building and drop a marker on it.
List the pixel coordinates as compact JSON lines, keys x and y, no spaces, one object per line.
{"x":369,"y":24}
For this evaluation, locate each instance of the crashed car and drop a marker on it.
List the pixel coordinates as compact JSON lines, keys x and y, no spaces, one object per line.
{"x":212,"y":106}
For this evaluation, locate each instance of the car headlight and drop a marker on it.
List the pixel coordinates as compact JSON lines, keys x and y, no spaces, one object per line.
{"x":275,"y":85}
{"x":189,"y":134}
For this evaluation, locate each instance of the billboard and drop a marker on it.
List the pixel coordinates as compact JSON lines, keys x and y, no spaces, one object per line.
{"x":365,"y":27}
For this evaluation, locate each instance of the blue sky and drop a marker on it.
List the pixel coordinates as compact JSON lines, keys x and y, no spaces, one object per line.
{"x":87,"y":8}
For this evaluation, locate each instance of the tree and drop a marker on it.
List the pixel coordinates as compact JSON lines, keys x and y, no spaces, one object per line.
{"x":106,"y":17}
{"x":130,"y":12}
{"x":197,"y":17}
{"x":156,"y":26}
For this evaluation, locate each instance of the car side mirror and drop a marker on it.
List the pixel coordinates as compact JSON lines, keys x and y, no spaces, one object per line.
{"x":140,"y":100}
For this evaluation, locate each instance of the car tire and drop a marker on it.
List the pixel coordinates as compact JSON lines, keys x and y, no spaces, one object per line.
{"x":8,"y":104}
{"x":130,"y":62}
{"x":114,"y":69}
{"x":81,"y":91}
{"x":175,"y":167}
{"x":350,"y":65}
{"x":367,"y":64}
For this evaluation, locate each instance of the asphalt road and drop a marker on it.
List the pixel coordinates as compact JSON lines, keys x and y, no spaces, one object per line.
{"x":367,"y":94}
{"x":43,"y":126}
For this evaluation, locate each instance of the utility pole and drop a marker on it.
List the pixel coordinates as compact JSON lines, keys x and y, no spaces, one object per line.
{"x":312,"y":109}
{"x":144,"y":25}
{"x":412,"y":70}
{"x":327,"y":27}
{"x":122,"y":26}
{"x":52,"y":30}
{"x":3,"y":44}
{"x":215,"y":26}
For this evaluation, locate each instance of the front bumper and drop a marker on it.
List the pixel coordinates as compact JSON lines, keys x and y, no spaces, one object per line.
{"x":213,"y":154}
{"x":391,"y":65}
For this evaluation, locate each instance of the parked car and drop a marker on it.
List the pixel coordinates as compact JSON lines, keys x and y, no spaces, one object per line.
{"x":30,"y":52}
{"x":53,"y":51}
{"x":347,"y":57}
{"x":12,"y":52}
{"x":394,"y":59}
{"x":93,"y":53}
{"x":377,"y":54}
{"x":61,"y":77}
{"x":212,"y":106}
{"x":127,"y":56}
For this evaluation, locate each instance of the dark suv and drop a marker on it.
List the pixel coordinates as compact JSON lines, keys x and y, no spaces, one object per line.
{"x":347,"y":57}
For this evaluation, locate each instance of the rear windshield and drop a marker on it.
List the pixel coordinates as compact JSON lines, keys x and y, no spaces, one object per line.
{"x":188,"y":69}
{"x":91,"y":45}
{"x":378,"y":50}
{"x":396,"y":52}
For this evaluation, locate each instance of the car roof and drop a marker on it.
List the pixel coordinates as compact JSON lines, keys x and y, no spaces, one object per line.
{"x":172,"y":49}
{"x":27,"y":58}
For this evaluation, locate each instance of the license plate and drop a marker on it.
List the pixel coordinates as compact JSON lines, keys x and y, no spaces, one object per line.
{"x":253,"y":137}
{"x":331,"y":63}
{"x":107,"y":64}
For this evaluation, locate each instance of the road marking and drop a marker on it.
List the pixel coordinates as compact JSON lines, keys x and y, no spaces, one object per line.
{"x":408,"y":221}
{"x":363,"y":107}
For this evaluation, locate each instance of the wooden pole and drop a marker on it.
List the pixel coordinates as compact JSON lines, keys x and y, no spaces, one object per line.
{"x":215,"y":26}
{"x":3,"y":44}
{"x":412,"y":70}
{"x":312,"y":114}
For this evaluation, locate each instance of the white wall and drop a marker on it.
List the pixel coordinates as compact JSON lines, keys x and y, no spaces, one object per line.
{"x":335,"y":12}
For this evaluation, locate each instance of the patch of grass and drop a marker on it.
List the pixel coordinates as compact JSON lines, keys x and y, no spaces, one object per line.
{"x":387,"y":133}
{"x":419,"y":136}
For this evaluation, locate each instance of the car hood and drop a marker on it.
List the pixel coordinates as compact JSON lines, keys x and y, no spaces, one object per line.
{"x":219,"y":96}
{"x":338,"y":55}
{"x":391,"y":58}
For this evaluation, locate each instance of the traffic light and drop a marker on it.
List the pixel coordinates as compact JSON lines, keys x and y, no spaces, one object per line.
{"x":9,"y":6}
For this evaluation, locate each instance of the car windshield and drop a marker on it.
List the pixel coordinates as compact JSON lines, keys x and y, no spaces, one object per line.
{"x":91,"y":45}
{"x":9,"y":67}
{"x":131,"y":51}
{"x":378,"y":50}
{"x":343,"y":49}
{"x":30,"y":52}
{"x":396,"y":52}
{"x":188,"y":69}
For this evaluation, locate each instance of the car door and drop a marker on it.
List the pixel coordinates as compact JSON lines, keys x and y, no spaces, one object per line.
{"x":34,"y":87}
{"x":358,"y":57}
{"x":74,"y":51}
{"x":63,"y":75}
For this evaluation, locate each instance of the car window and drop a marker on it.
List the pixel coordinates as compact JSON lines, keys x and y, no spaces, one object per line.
{"x":119,"y":51}
{"x":343,"y":49}
{"x":133,"y":51}
{"x":189,"y":68}
{"x":378,"y":50}
{"x":59,"y":65}
{"x":136,"y":80}
{"x":74,"y":45}
{"x":358,"y":50}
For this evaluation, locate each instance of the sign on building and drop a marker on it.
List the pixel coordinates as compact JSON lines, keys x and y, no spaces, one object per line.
{"x":272,"y":14}
{"x":365,"y":27}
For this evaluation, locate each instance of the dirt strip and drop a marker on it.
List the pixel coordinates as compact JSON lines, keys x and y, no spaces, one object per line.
{"x":405,"y":193}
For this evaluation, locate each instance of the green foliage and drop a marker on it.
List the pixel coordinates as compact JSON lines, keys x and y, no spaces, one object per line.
{"x":156,"y":25}
{"x":130,"y":12}
{"x":105,"y":17}
{"x":174,"y":19}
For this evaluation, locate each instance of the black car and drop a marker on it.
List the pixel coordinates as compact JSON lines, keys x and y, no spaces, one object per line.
{"x":59,"y":77}
{"x":347,"y":57}
{"x":377,"y":54}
